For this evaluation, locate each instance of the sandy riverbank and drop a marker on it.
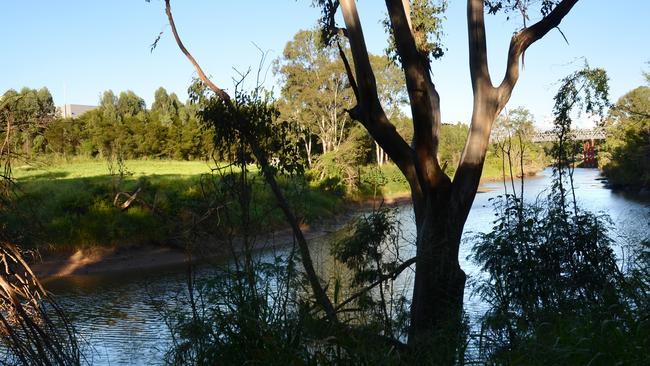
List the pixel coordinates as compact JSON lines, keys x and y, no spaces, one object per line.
{"x":107,"y":260}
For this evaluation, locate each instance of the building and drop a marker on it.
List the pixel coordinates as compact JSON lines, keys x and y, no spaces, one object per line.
{"x":73,"y":110}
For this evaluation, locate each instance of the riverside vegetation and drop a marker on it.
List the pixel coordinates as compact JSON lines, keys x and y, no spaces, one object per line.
{"x":554,"y":291}
{"x":68,"y":171}
{"x":625,"y":158}
{"x":286,"y":312}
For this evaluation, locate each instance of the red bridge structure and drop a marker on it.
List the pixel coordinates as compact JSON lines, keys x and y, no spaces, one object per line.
{"x":589,"y":137}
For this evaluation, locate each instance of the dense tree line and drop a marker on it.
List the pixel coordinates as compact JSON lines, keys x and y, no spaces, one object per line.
{"x":24,"y":118}
{"x":121,"y":125}
{"x":315,"y":95}
{"x":625,"y":158}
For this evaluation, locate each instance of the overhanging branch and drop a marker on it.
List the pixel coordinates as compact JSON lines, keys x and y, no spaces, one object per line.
{"x":524,"y":39}
{"x":348,"y":71}
{"x":312,"y":277}
{"x":218,"y":91}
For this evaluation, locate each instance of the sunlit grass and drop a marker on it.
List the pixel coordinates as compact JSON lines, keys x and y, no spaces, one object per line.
{"x":67,"y":205}
{"x":71,"y":203}
{"x":96,"y":167}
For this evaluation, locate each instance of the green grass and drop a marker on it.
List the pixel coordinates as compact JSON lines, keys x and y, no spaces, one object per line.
{"x":96,"y":168}
{"x":393,"y":182}
{"x":70,"y":205}
{"x":67,"y":205}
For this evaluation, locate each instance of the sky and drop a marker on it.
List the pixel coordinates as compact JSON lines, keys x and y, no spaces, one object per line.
{"x":79,"y":48}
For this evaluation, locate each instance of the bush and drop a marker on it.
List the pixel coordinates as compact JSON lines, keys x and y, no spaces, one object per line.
{"x":552,"y":284}
{"x":547,"y":264}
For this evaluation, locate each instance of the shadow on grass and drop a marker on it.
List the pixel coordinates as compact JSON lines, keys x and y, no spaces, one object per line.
{"x":47,"y":175}
{"x":64,"y":214}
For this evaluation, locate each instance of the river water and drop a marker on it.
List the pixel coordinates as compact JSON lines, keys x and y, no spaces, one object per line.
{"x":119,"y":317}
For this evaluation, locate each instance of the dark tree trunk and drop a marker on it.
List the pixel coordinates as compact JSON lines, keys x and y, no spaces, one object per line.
{"x":437,"y":304}
{"x":441,"y":207}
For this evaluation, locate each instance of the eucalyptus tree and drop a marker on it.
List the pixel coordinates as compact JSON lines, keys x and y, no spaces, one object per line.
{"x":165,"y":106}
{"x":441,"y":205}
{"x":31,"y":110}
{"x":129,"y":104}
{"x":315,"y":91}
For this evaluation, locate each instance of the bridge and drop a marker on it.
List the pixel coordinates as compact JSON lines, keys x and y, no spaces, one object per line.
{"x":597,"y":133}
{"x":587,"y":136}
{"x":591,"y":134}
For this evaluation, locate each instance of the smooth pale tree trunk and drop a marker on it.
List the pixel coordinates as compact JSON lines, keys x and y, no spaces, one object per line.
{"x":380,"y":155}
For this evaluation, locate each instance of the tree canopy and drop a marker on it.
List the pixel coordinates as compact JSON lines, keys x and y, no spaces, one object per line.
{"x":626,"y":156}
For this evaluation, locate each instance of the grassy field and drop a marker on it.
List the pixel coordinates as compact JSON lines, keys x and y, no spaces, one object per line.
{"x":67,"y":205}
{"x":95,"y":168}
{"x":70,"y":205}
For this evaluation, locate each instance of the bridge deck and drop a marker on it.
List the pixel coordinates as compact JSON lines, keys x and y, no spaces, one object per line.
{"x":597,"y":133}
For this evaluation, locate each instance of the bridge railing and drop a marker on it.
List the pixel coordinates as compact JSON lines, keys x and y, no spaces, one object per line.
{"x":597,"y":133}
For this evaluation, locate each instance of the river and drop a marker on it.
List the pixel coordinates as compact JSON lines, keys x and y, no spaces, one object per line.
{"x":119,"y":316}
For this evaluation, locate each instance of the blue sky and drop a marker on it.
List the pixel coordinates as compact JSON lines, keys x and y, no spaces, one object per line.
{"x":79,"y":48}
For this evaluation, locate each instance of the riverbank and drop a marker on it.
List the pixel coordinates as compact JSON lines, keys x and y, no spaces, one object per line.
{"x":63,"y":208}
{"x":84,"y":233}
{"x":99,"y":260}
{"x":119,"y":313}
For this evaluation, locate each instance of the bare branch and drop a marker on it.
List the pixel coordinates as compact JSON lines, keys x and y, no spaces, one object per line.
{"x":370,"y":113}
{"x":485,"y":110}
{"x":388,"y":276}
{"x":218,"y":91}
{"x":312,"y":277}
{"x":478,"y":64}
{"x":526,"y":37}
{"x":348,"y":70}
{"x":407,"y":11}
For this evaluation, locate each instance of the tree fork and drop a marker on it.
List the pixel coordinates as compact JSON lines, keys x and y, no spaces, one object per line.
{"x":441,"y":207}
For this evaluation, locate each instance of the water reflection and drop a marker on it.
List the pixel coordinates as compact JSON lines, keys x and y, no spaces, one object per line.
{"x":121,"y":322}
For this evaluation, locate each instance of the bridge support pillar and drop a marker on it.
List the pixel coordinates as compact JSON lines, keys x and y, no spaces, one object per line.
{"x":589,"y":154}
